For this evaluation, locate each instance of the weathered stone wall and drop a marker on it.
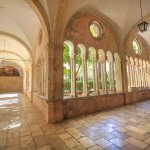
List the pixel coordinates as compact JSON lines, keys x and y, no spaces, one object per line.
{"x":77,"y":31}
{"x":11,"y":84}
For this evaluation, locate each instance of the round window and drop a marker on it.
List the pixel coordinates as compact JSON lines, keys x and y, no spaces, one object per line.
{"x":136,"y":47}
{"x":95,"y":29}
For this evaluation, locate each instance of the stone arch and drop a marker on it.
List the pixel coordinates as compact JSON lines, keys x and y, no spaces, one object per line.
{"x":84,"y":68}
{"x":41,"y":14}
{"x":72,"y":67}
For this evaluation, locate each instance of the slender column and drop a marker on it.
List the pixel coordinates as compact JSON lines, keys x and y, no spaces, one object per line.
{"x":147,"y":77}
{"x":95,"y":75}
{"x":73,"y":76}
{"x":84,"y":66}
{"x":133,"y":78}
{"x":136,"y":75}
{"x":145,"y":81}
{"x":112,"y":76}
{"x":104,"y":76}
{"x":130,"y":72}
{"x":129,"y":77}
{"x":140,"y":76}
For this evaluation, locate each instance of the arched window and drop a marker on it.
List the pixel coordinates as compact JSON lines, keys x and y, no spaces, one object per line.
{"x":9,"y":71}
{"x":136,"y":46}
{"x":95,"y":29}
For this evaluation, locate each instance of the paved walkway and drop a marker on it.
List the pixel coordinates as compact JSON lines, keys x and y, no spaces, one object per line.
{"x":22,"y":127}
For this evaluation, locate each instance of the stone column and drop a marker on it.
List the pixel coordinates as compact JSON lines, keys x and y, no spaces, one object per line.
{"x":85,"y":75}
{"x":112,"y":84}
{"x":95,"y":75}
{"x":140,"y":76}
{"x":129,"y":77}
{"x":130,"y":72}
{"x":104,"y":76}
{"x":136,"y":76}
{"x":73,"y":76}
{"x":133,"y":77}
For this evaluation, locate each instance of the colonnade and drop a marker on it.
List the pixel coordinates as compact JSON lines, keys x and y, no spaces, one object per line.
{"x":138,"y":73}
{"x":99,"y":58}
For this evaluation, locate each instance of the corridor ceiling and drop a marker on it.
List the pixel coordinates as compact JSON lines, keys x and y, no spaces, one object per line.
{"x":18,"y":20}
{"x":121,"y":15}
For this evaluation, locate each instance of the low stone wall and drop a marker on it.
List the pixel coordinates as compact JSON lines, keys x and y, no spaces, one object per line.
{"x":72,"y":107}
{"x":137,"y":96}
{"x":11,"y":84}
{"x":41,"y":103}
{"x":84,"y":105}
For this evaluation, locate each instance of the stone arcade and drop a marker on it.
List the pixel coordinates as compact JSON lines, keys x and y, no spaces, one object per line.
{"x":74,"y":74}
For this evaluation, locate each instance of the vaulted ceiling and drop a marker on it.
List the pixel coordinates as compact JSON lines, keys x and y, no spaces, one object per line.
{"x":121,"y":15}
{"x":19,"y":27}
{"x":18,"y":19}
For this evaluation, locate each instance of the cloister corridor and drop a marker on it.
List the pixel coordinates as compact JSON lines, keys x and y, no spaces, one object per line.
{"x":22,"y":127}
{"x":74,"y":74}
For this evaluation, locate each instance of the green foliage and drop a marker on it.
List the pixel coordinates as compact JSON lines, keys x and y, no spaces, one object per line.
{"x":67,"y":85}
{"x":78,"y":58}
{"x":79,"y":85}
{"x":89,"y":60}
{"x":107,"y":81}
{"x":90,"y":85}
{"x":66,"y":54}
{"x":66,"y":61}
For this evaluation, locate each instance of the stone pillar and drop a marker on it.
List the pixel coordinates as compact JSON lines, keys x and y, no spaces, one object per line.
{"x":84,"y":66}
{"x":95,"y":75}
{"x":112,"y":84}
{"x":129,"y":77}
{"x":130,"y":72}
{"x":140,"y":76}
{"x":136,"y":76}
{"x":73,"y":76}
{"x":104,"y":76}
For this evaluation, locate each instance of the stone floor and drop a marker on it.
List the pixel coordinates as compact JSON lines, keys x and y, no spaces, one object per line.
{"x":22,"y":127}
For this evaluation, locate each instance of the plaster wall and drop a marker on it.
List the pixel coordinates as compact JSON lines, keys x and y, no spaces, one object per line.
{"x":11,"y":84}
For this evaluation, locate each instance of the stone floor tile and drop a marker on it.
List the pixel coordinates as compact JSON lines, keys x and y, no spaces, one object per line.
{"x":132,"y":128}
{"x":78,"y":135}
{"x":86,"y":142}
{"x":79,"y":148}
{"x":118,"y":126}
{"x":12,"y":142}
{"x":45,"y":148}
{"x":40,"y":141}
{"x":2,"y":142}
{"x":147,"y":141}
{"x":96,"y":147}
{"x":72,"y":130}
{"x":119,"y":142}
{"x":71,"y":143}
{"x":113,"y":147}
{"x":136,"y":143}
{"x":103,"y":143}
{"x":27,"y":144}
{"x":37,"y":133}
{"x":64,"y":136}
{"x":59,"y":145}
{"x":13,"y":148}
{"x":130,"y":147}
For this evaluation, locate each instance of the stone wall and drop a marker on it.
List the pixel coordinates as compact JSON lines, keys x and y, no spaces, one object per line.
{"x":84,"y":105}
{"x":11,"y":84}
{"x":73,"y":107}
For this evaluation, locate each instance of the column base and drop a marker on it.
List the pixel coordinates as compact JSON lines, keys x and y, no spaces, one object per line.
{"x":85,"y":94}
{"x":55,"y":112}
